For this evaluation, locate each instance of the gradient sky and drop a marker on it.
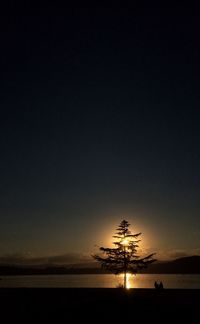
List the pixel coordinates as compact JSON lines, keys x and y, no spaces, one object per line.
{"x":99,"y":121}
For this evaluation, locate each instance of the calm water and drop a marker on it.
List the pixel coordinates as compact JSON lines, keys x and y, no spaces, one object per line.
{"x":101,"y":281}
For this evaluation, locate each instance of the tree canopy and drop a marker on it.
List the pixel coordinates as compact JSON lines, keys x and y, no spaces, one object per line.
{"x":123,"y":257}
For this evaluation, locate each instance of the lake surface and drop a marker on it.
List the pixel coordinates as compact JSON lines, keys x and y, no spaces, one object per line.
{"x":101,"y":281}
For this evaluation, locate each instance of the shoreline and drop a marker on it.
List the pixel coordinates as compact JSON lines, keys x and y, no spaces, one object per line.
{"x":94,"y":273}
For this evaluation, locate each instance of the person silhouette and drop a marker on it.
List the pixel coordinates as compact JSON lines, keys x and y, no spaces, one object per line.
{"x":156,"y":285}
{"x":161,"y":285}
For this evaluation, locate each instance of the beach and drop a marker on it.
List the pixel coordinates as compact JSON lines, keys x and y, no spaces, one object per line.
{"x":94,"y":305}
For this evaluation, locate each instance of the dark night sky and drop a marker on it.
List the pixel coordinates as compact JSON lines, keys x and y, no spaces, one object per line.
{"x":99,"y":122}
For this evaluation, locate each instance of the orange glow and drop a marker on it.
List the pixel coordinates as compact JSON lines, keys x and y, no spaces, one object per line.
{"x":128,"y":280}
{"x":128,"y":284}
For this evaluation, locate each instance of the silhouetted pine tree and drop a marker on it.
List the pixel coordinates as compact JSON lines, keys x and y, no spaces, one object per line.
{"x":123,"y":257}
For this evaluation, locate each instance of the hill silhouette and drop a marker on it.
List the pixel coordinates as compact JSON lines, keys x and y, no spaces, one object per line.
{"x":186,"y":265}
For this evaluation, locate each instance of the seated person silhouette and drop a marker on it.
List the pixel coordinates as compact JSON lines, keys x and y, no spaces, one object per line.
{"x":161,"y":285}
{"x":156,"y":285}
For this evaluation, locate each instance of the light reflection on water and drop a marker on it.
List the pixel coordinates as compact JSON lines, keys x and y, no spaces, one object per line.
{"x":101,"y":281}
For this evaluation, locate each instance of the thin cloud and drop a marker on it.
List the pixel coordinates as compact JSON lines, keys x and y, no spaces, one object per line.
{"x":27,"y":259}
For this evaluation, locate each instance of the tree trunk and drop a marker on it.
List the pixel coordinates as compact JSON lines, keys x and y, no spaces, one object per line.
{"x":125,"y":280}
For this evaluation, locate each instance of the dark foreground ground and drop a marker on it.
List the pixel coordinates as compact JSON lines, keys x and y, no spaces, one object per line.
{"x":98,"y":305}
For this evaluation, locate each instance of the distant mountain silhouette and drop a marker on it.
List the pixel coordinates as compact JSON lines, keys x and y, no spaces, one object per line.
{"x":183,"y":265}
{"x":186,"y":265}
